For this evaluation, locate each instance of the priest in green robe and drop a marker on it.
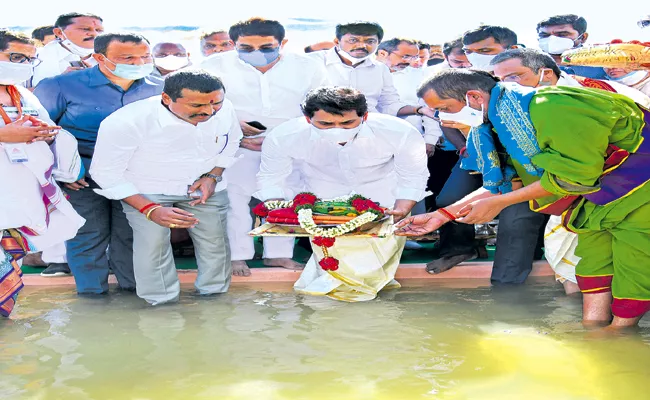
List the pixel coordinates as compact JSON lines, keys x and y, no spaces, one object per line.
{"x":577,"y":152}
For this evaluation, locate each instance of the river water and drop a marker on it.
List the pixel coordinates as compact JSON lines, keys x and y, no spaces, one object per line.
{"x":442,"y":340}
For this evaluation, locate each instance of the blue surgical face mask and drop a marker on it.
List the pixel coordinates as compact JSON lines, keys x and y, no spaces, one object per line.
{"x":131,"y":72}
{"x":259,"y":58}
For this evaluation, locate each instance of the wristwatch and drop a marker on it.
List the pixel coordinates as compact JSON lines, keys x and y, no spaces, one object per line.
{"x":217,"y":178}
{"x":417,"y":110}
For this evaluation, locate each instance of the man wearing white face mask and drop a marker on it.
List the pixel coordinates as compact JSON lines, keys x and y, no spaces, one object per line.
{"x":266,"y":87}
{"x":169,"y":57}
{"x":560,"y":33}
{"x":340,"y":148}
{"x":72,"y":50}
{"x":482,"y":44}
{"x":639,"y":80}
{"x":79,"y":101}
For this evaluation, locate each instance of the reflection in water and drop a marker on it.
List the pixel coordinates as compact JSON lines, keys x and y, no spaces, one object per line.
{"x":433,"y":341}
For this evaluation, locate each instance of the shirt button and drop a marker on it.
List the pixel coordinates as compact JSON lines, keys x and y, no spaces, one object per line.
{"x":97,"y":108}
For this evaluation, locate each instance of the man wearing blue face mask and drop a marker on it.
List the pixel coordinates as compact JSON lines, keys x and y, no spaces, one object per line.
{"x":79,"y":101}
{"x":560,"y":33}
{"x":266,"y":88}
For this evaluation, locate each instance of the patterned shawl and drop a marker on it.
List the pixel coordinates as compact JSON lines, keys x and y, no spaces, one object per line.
{"x":509,"y":117}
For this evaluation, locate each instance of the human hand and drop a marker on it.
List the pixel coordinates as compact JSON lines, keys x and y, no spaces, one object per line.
{"x":27,"y":129}
{"x":206,"y":186}
{"x":253,"y":144}
{"x":172,"y":217}
{"x":431,"y":148}
{"x":482,"y":211}
{"x":78,"y":185}
{"x":427,"y":112}
{"x":248,"y":130}
{"x":422,"y":224}
{"x":455,"y":125}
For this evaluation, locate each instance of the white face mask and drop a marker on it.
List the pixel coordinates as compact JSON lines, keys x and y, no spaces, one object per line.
{"x":632,"y":78}
{"x":481,"y":61}
{"x":338,"y":135}
{"x":15,"y":73}
{"x":352,"y":59}
{"x":466,"y":116}
{"x":74,"y":49}
{"x":171,"y":63}
{"x":555,"y":45}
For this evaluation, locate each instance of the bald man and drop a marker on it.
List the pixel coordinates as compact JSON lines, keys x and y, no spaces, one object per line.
{"x":169,"y":57}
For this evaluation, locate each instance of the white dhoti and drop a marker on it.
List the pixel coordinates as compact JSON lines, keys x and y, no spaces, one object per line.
{"x":55,"y":254}
{"x":366,"y":266}
{"x":559,"y":250}
{"x":241,"y":186}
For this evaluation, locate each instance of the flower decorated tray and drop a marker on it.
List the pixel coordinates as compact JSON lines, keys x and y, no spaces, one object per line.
{"x":306,"y":215}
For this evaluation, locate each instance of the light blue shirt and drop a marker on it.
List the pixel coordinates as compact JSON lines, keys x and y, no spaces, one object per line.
{"x":79,"y":101}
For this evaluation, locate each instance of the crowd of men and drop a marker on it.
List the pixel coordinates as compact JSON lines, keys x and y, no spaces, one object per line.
{"x":168,"y":146}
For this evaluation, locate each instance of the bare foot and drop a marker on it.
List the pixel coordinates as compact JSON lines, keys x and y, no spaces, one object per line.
{"x":34,"y":260}
{"x":240,"y":268}
{"x":570,"y":288}
{"x":283,"y":263}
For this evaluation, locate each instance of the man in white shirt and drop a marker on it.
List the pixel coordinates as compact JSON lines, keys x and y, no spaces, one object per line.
{"x":266,"y":89}
{"x":340,"y":148}
{"x":350,"y":64}
{"x":72,"y":49}
{"x":164,"y":158}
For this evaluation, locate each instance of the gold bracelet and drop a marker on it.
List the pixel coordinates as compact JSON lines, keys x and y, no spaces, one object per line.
{"x":150,"y":211}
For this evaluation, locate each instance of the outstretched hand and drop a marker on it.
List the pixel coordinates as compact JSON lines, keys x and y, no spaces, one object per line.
{"x":419,"y":225}
{"x":482,"y":211}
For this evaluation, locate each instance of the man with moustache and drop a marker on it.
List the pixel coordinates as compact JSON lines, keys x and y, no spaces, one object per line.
{"x":73,"y":47}
{"x":164,"y":157}
{"x":350,"y":64}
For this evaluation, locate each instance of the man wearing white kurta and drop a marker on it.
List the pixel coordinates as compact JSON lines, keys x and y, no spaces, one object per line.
{"x":266,"y":87}
{"x":164,"y":158}
{"x":339,"y":151}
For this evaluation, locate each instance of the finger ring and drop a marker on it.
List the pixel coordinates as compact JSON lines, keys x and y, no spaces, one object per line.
{"x":172,"y":226}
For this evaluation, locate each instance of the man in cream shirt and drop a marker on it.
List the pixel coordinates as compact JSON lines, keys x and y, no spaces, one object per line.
{"x":266,"y":88}
{"x":164,"y":158}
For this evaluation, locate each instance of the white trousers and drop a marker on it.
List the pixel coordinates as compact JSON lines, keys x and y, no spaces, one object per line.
{"x":242,"y":183}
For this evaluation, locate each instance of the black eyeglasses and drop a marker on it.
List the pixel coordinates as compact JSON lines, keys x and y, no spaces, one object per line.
{"x":20,"y":58}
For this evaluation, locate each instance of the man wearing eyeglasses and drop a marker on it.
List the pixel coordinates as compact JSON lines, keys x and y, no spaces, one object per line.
{"x":266,"y":87}
{"x":79,"y":101}
{"x":75,"y":36}
{"x":350,"y":63}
